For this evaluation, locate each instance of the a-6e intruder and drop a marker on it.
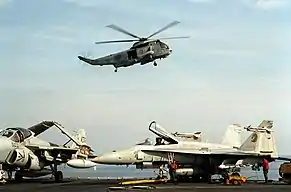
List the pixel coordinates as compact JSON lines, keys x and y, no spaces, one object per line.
{"x":22,"y":151}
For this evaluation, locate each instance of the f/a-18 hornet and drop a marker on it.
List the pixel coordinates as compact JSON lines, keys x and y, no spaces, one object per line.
{"x":144,"y":51}
{"x":29,"y":156}
{"x":199,"y":159}
{"x":135,"y":155}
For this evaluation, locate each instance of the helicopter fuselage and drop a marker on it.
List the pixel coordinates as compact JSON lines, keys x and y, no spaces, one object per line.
{"x":140,"y":52}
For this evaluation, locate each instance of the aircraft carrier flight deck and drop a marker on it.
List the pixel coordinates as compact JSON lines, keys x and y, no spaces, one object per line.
{"x":89,"y":185}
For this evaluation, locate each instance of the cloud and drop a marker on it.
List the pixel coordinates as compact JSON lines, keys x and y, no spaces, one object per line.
{"x":54,"y":38}
{"x":3,"y":3}
{"x":232,"y":52}
{"x":201,"y":1}
{"x":271,"y":4}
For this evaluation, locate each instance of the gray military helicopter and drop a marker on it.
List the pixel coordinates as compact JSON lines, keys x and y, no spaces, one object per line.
{"x":144,"y":51}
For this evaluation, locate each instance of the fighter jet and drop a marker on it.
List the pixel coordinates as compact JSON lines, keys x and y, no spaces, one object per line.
{"x":202,"y":161}
{"x":29,"y":156}
{"x":136,"y":156}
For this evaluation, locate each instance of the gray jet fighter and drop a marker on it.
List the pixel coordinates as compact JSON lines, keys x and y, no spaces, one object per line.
{"x":144,"y":51}
{"x":29,"y":156}
{"x":136,"y":156}
{"x":204,"y":159}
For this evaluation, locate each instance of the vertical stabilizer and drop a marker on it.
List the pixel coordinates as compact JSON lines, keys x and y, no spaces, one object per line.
{"x":261,"y":140}
{"x":232,"y":136}
{"x":80,"y":136}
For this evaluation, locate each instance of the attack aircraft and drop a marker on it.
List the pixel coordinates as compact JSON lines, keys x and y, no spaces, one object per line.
{"x":143,"y":160}
{"x":22,"y":151}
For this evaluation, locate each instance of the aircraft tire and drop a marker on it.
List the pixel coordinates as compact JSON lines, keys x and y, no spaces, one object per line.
{"x":18,"y":177}
{"x":59,"y":176}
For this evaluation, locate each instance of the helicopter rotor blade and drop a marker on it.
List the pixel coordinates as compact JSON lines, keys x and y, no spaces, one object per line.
{"x":115,"y":27}
{"x":164,"y":28}
{"x":181,"y":37}
{"x":116,"y":41}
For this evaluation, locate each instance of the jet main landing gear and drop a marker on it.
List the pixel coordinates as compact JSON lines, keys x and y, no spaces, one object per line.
{"x":58,"y":175}
{"x":18,"y":177}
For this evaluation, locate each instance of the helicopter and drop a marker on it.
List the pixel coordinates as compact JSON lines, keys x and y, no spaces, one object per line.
{"x":143,"y":51}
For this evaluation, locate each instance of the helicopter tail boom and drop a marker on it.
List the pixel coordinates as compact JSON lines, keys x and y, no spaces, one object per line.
{"x":99,"y":61}
{"x":89,"y":61}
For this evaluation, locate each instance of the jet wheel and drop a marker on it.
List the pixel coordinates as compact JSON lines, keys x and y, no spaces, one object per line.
{"x":155,"y":64}
{"x":59,"y":176}
{"x":18,"y":177}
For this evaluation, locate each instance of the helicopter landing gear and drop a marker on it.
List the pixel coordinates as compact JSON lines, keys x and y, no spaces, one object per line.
{"x":155,"y":63}
{"x":115,"y":70}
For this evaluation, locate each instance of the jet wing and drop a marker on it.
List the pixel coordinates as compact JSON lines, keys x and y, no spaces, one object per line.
{"x":44,"y":125}
{"x":64,"y":151}
{"x":41,"y":127}
{"x":161,"y":132}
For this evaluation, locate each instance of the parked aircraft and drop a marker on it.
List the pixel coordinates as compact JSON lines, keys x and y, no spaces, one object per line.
{"x":29,"y":156}
{"x":203,"y":160}
{"x":136,"y":156}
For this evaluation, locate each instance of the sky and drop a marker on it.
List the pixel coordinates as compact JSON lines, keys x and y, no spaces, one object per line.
{"x":235,"y":68}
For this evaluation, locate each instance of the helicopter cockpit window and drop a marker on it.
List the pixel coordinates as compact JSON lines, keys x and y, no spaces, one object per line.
{"x":147,"y":141}
{"x":139,"y":45}
{"x":163,"y":45}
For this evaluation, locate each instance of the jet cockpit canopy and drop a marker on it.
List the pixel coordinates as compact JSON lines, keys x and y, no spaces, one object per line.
{"x":16,"y":134}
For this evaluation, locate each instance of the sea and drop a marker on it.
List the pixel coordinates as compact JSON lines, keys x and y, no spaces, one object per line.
{"x":121,"y":171}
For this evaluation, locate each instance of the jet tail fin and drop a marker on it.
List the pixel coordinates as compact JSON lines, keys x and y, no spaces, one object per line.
{"x":232,"y":136}
{"x":261,"y":140}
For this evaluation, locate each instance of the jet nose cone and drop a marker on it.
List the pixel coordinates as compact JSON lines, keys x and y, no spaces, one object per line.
{"x":5,"y":148}
{"x":120,"y":157}
{"x":106,"y":159}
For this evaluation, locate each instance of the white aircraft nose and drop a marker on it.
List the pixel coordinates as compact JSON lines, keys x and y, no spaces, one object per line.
{"x":5,"y":148}
{"x":109,"y":158}
{"x":114,"y":158}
